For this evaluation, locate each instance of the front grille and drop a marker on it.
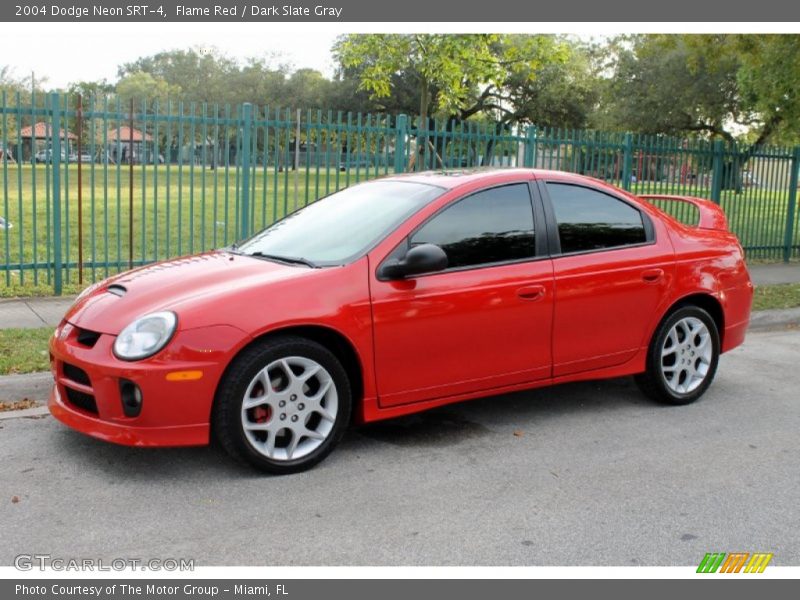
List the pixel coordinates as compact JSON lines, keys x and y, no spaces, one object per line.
{"x":83,"y":401}
{"x":76,"y":374}
{"x":87,"y":338}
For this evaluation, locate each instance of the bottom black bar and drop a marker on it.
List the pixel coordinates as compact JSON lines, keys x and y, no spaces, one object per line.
{"x":393,"y":589}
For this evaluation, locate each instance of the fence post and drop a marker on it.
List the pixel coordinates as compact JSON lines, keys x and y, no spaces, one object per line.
{"x":716,"y":171}
{"x":627,"y":162}
{"x":401,"y":130}
{"x":790,"y":212}
{"x":55,"y":159}
{"x":530,"y":146}
{"x":244,"y":207}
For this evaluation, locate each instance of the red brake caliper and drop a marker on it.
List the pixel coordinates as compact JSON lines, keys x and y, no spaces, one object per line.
{"x":260,"y":414}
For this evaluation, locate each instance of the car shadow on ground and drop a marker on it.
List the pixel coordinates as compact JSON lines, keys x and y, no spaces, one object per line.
{"x":452,"y":424}
{"x":440,"y":427}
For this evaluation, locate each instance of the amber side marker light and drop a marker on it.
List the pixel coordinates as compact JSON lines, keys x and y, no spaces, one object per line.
{"x":184,"y":375}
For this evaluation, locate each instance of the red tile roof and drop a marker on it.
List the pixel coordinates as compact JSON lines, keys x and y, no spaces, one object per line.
{"x":124,"y":134}
{"x":42,"y":130}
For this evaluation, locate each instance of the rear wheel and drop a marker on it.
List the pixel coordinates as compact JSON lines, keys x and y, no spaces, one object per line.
{"x":682,"y":358}
{"x":283,"y":405}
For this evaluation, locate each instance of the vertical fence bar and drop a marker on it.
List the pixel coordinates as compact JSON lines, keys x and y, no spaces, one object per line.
{"x":192,"y":160}
{"x":93,"y":209}
{"x":130,"y":187}
{"x":6,"y":213}
{"x":627,"y":161}
{"x":143,"y":169}
{"x":105,"y":185}
{"x":20,"y":205}
{"x":34,"y":223}
{"x":79,"y":127}
{"x":530,"y":144}
{"x":790,"y":209}
{"x":55,"y":108}
{"x":155,"y":157}
{"x":716,"y":171}
{"x":400,"y":143}
{"x":244,"y":212}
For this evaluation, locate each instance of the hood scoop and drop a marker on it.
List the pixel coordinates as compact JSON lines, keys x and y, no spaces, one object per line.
{"x":117,"y":289}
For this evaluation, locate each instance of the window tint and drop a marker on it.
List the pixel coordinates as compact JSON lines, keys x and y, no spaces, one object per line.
{"x":495,"y":225}
{"x":591,"y":220}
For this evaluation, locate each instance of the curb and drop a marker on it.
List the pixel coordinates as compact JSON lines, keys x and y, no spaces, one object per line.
{"x":30,"y":386}
{"x":36,"y":412}
{"x":778,"y":318}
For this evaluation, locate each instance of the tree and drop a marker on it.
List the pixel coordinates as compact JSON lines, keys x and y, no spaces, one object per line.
{"x":444,"y":66}
{"x":90,"y":90}
{"x":561,"y":91}
{"x":457,"y":76}
{"x":211,"y":77}
{"x":143,"y":86}
{"x":767,"y":78}
{"x":719,"y":85}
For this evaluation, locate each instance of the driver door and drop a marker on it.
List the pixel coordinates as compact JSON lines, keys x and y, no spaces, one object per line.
{"x":482,"y":323}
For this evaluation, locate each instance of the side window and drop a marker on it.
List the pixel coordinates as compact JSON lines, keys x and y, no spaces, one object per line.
{"x":491,"y":226}
{"x":591,"y":220}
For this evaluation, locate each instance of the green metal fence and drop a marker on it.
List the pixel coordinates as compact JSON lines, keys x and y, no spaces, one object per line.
{"x":93,"y":187}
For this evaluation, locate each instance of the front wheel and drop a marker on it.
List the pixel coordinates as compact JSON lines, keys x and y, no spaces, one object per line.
{"x":283,"y":405}
{"x":682,"y":358}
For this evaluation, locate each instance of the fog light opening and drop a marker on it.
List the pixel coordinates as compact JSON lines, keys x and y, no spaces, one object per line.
{"x":131,"y":398}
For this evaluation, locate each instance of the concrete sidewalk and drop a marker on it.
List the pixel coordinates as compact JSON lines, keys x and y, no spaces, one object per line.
{"x":28,"y":313}
{"x":47,"y":312}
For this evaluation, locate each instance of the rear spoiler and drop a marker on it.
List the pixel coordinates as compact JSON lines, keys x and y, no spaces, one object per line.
{"x":711,"y":215}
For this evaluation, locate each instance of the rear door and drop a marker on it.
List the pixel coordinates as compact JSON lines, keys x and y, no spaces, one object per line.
{"x":612,"y":274}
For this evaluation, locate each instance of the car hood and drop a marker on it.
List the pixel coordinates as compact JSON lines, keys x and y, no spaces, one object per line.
{"x":174,"y":285}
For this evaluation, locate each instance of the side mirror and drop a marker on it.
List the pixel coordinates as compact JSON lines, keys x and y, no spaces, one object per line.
{"x":425,"y":258}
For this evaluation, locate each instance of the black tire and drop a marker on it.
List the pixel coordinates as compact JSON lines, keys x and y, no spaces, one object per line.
{"x":653,"y":382}
{"x":227,"y":417}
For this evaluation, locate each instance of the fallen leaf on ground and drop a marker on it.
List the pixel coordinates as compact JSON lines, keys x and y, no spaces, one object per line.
{"x":18,"y":405}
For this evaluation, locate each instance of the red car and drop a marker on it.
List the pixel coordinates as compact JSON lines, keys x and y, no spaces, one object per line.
{"x":399,"y":295}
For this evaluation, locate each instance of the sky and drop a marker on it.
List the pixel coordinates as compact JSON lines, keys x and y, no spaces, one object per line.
{"x":92,"y":51}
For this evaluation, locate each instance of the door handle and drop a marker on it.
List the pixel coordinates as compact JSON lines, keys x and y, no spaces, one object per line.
{"x":652,"y":275}
{"x":531,"y":292}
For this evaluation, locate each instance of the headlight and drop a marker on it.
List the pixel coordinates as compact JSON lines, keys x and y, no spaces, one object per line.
{"x":145,"y":336}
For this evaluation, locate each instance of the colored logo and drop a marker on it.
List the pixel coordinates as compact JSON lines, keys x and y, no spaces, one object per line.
{"x":734,"y":562}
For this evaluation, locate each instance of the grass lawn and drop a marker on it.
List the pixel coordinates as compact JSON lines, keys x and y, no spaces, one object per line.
{"x":24,"y":350}
{"x":785,"y":295}
{"x":176,"y":211}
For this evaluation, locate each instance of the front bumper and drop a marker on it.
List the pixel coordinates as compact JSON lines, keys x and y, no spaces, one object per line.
{"x":175,"y":412}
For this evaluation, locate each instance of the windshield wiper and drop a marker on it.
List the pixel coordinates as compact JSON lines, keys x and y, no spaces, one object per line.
{"x":293,"y":260}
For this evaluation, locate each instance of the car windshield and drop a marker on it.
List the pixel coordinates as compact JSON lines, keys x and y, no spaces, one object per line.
{"x":342,"y":226}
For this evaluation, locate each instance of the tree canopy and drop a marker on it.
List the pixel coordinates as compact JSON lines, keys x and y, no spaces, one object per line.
{"x":731,"y":86}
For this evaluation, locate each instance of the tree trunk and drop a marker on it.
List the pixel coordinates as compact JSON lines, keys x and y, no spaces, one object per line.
{"x":422,"y":138}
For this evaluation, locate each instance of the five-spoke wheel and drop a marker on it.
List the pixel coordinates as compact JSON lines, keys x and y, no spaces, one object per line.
{"x":289,"y":408}
{"x":283,"y":405}
{"x":682,"y":358}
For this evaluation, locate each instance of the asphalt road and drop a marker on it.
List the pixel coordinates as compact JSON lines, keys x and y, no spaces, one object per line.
{"x":582,"y":474}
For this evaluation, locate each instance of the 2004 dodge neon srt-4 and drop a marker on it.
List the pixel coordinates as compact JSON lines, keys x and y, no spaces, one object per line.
{"x":399,"y":295}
